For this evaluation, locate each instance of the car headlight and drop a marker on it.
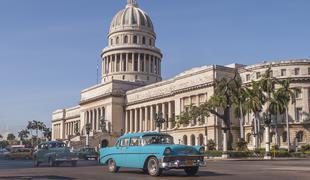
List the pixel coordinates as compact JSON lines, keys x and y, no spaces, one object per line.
{"x":167,"y":151}
{"x":202,"y":150}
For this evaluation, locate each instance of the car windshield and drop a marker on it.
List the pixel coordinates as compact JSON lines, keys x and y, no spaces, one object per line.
{"x":56,"y":145}
{"x":157,"y":139}
{"x":89,"y":149}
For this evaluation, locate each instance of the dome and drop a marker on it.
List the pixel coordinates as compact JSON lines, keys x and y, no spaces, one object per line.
{"x":131,"y":17}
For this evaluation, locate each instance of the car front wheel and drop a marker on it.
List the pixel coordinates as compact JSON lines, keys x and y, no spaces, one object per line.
{"x":191,"y":171}
{"x":112,"y":166}
{"x":153,"y":167}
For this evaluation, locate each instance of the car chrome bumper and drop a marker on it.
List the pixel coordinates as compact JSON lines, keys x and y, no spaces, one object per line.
{"x":180,"y":164}
{"x":66,"y":159}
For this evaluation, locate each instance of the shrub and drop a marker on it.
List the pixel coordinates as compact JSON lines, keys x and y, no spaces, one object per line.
{"x":242,"y":145}
{"x":214,"y":153}
{"x":238,"y":154}
{"x":305,"y":148}
{"x":211,"y":145}
{"x":281,"y":153}
{"x":274,"y":147}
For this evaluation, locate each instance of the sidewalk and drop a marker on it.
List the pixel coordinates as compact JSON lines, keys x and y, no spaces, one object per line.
{"x":256,"y":159}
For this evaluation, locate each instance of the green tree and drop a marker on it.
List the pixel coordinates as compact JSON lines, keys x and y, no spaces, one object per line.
{"x":4,"y":144}
{"x":11,"y":137}
{"x":277,"y":107}
{"x":288,"y":96}
{"x":47,"y":133}
{"x":23,"y":134}
{"x":1,"y":136}
{"x":254,"y":102}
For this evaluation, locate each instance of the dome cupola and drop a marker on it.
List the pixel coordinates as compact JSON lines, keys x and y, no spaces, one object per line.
{"x":131,"y":17}
{"x":131,"y":54}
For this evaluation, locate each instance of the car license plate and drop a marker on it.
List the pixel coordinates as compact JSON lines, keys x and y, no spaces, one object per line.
{"x":189,"y":162}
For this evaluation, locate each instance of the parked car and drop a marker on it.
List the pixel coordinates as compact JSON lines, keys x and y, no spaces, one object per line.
{"x":19,"y":153}
{"x":54,"y":153}
{"x":153,"y":153}
{"x":87,"y":153}
{"x":3,"y":153}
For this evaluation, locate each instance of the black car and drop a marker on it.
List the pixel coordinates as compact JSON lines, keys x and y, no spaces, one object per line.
{"x":87,"y":153}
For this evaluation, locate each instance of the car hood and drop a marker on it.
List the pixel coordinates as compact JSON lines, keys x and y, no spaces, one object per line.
{"x":178,"y":150}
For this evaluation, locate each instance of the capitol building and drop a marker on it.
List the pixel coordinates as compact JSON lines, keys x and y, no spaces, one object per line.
{"x":132,"y":92}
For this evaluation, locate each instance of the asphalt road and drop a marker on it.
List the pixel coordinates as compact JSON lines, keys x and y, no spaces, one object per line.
{"x":216,"y":169}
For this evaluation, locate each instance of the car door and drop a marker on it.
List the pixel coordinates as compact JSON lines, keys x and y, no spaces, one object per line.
{"x":120,"y":154}
{"x":135,"y":153}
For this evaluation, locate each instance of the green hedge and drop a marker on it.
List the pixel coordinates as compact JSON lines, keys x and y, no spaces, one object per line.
{"x":257,"y":153}
{"x":213,"y":153}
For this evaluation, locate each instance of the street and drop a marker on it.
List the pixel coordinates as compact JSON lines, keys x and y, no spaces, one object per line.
{"x":216,"y":169}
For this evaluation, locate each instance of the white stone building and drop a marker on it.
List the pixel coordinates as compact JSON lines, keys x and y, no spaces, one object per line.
{"x":132,"y":91}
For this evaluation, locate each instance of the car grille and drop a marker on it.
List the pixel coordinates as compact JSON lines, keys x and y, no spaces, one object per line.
{"x":182,"y":158}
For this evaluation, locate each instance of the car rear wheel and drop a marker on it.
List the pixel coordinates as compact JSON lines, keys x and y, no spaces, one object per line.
{"x":36,"y":163}
{"x":191,"y":171}
{"x":112,"y":166}
{"x":153,"y":167}
{"x":51,"y":162}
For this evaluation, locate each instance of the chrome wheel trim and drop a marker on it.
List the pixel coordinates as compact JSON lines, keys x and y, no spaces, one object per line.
{"x":152,"y":166}
{"x":111,"y":165}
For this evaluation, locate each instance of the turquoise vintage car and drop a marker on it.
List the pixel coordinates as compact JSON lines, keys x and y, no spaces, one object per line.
{"x":54,"y":153}
{"x":152,"y":152}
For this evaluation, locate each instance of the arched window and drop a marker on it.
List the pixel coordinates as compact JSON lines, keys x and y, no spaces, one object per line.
{"x":284,"y":136}
{"x":185,"y":140}
{"x":117,"y":40}
{"x":111,"y":42}
{"x":200,"y":140}
{"x":193,"y":140}
{"x":143,"y":40}
{"x":123,"y":77}
{"x":150,"y":42}
{"x":300,"y":136}
{"x":125,"y":39}
{"x":135,"y":39}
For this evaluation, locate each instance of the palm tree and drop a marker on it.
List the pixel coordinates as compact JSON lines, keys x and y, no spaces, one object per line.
{"x":47,"y":133}
{"x":288,"y":95}
{"x":30,"y":126}
{"x":276,"y":107}
{"x":23,"y":134}
{"x":254,"y":102}
{"x":239,"y":95}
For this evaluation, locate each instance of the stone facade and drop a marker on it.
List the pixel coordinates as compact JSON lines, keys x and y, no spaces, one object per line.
{"x":132,"y":91}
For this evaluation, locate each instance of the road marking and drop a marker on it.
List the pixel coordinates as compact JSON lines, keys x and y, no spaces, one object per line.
{"x":291,"y":168}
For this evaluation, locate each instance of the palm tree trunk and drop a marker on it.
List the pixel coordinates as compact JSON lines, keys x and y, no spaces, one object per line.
{"x":258,"y":132}
{"x":241,"y":123}
{"x":276,"y":129}
{"x":225,"y":155}
{"x":287,"y":131}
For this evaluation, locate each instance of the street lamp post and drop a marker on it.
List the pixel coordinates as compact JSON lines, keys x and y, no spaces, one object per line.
{"x":267,"y":120}
{"x":159,"y":120}
{"x":88,"y":128}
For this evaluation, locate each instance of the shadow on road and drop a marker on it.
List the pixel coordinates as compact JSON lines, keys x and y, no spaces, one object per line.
{"x":178,"y":173}
{"x":34,"y":177}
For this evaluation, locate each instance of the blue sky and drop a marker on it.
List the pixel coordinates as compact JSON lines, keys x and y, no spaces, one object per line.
{"x":49,"y":49}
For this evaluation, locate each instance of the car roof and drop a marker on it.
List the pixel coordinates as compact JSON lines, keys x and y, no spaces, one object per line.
{"x":130,"y":135}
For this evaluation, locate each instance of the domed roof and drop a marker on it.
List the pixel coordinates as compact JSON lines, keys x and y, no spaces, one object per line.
{"x":131,"y":16}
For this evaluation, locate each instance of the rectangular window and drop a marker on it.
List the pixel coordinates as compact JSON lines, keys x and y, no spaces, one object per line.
{"x":308,"y":71}
{"x":124,"y":142}
{"x":135,"y":141}
{"x":298,"y":114}
{"x":297,"y":71}
{"x":298,"y":94}
{"x":258,"y":75}
{"x":283,"y":72}
{"x":248,"y":77}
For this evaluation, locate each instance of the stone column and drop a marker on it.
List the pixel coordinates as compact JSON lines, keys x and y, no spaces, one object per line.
{"x":169,"y":115}
{"x":146,"y":119}
{"x":164,"y":112}
{"x":126,"y":121}
{"x":136,"y":120}
{"x":157,"y":112}
{"x":152,"y":118}
{"x":132,"y":122}
{"x":139,"y":63}
{"x":132,"y":62}
{"x":141,"y":120}
{"x":126,"y":62}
